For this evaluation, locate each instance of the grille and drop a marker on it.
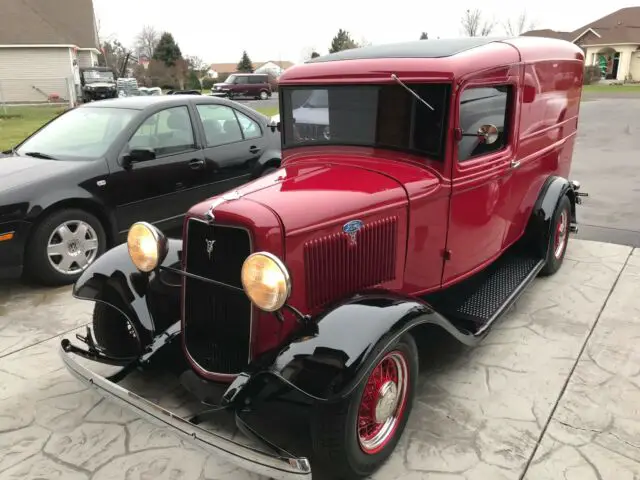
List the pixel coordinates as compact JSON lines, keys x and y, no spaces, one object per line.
{"x":334,"y":267}
{"x":217,"y":323}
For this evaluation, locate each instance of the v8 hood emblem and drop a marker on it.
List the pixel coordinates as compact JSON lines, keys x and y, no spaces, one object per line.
{"x":210,"y":244}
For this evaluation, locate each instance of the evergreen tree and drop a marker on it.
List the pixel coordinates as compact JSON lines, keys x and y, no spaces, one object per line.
{"x":245,"y":65}
{"x":167,"y":50}
{"x":342,"y":41}
{"x":424,"y":36}
{"x":315,"y":54}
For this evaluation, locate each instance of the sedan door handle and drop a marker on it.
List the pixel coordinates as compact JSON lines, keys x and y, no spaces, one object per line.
{"x":254,"y":149}
{"x":515,"y":164}
{"x":196,"y":163}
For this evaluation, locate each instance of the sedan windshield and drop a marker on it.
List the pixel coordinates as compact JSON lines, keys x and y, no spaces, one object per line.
{"x":81,"y":133}
{"x":381,"y":116}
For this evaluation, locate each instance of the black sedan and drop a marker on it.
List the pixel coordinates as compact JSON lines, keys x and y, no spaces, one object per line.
{"x":72,"y":189}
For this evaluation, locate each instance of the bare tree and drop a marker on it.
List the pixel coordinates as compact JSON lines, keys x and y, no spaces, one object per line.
{"x":147,"y":40}
{"x":473,"y":25}
{"x":364,"y":42}
{"x":517,"y":26}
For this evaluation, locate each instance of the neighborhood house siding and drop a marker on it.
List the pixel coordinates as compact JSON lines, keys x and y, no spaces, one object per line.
{"x":32,"y":74}
{"x":85,"y":59}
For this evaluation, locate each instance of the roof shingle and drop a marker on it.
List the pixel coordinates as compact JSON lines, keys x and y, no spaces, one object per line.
{"x":48,"y":22}
{"x":621,"y":26}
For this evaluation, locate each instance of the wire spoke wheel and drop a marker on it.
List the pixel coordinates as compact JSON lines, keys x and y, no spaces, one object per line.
{"x":383,"y":402}
{"x":560,"y":238}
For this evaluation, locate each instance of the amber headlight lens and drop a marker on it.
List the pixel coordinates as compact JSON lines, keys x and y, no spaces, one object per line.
{"x":147,"y":246}
{"x":266,"y":281}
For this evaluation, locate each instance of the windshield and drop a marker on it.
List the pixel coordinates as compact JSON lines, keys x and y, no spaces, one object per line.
{"x":81,"y":133}
{"x":93,"y":76}
{"x":231,"y":79}
{"x":382,"y":116}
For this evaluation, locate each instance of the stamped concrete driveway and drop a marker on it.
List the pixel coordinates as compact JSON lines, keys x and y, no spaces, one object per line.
{"x":552,"y":393}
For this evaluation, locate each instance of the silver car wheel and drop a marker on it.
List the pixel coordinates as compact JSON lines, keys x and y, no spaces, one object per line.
{"x":264,"y":95}
{"x":72,"y":247}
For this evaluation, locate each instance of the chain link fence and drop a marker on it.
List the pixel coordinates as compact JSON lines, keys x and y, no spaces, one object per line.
{"x":61,"y":92}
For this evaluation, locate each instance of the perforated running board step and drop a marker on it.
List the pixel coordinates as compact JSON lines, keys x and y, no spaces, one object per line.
{"x":481,"y":299}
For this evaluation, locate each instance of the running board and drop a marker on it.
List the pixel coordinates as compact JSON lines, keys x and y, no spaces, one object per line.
{"x":476,"y":303}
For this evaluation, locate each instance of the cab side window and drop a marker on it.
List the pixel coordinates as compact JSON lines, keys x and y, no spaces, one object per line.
{"x":166,"y":132}
{"x":481,"y":106}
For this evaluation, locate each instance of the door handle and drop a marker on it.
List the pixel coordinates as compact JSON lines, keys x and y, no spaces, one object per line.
{"x":196,"y":163}
{"x":254,"y":149}
{"x":515,"y":164}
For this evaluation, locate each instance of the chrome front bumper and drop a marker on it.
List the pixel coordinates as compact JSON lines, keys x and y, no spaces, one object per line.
{"x":247,"y":457}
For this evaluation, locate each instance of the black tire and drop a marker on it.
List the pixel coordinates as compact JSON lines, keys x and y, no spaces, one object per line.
{"x":38,"y":267}
{"x":555,"y":251}
{"x":113,"y":332}
{"x":336,"y":441}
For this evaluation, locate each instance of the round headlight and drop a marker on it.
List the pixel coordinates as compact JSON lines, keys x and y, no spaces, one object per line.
{"x":266,"y":281}
{"x":147,"y":246}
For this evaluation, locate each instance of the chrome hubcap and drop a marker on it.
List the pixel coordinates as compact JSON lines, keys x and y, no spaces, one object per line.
{"x":387,"y":401}
{"x":561,"y":234}
{"x":72,"y":247}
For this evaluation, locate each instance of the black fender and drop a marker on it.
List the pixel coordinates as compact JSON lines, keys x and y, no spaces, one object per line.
{"x":539,"y":226}
{"x":150,"y":302}
{"x":329,"y":357}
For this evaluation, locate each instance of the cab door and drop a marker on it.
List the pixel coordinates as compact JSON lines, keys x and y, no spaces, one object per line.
{"x":481,"y":173}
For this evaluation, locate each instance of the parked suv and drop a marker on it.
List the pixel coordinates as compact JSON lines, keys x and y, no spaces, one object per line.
{"x":245,"y":85}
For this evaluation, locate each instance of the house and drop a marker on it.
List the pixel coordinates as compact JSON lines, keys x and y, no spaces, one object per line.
{"x":611,"y":42}
{"x":43,"y":44}
{"x":272,"y":67}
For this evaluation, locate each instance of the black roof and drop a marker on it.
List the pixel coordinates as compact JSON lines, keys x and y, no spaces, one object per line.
{"x":143,"y":101}
{"x":414,"y":49}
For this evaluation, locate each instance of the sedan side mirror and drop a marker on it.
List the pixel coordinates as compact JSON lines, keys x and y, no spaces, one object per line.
{"x":138,"y":155}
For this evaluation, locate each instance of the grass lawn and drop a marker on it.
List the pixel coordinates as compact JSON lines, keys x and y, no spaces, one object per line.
{"x":612,"y":88}
{"x":18,"y":122}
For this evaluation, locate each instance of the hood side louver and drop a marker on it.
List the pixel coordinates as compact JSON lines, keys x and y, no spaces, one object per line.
{"x":335,"y":267}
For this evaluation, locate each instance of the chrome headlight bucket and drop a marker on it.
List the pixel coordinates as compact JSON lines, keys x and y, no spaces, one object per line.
{"x":147,"y":246}
{"x":266,"y":281}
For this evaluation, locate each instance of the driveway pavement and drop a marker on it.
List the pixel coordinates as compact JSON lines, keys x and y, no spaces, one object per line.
{"x":605,"y":162}
{"x":552,"y":393}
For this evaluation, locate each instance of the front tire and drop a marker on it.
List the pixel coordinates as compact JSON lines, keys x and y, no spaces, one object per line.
{"x":558,"y":239}
{"x":354,"y":437}
{"x":63,"y":245}
{"x":113,"y":332}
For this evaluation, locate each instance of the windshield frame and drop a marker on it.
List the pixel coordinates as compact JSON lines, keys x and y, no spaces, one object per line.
{"x":439,"y":156}
{"x":23,"y":147}
{"x":99,"y":80}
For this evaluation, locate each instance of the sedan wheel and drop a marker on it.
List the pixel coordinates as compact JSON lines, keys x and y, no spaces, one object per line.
{"x":63,"y":245}
{"x":72,"y":246}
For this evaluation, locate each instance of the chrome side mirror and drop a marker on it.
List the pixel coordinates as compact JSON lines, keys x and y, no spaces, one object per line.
{"x":489,"y":133}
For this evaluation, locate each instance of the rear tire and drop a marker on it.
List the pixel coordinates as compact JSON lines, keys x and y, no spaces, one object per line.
{"x":557,"y":239}
{"x":354,"y":437}
{"x":264,"y":95}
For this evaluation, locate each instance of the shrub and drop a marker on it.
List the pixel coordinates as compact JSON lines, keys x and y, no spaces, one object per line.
{"x":592,"y":74}
{"x":207,"y":83}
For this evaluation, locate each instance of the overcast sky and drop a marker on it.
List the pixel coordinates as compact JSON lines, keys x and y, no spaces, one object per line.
{"x":285,"y":29}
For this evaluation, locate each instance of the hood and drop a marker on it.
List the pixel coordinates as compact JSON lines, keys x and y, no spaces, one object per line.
{"x":21,"y":171}
{"x":311,"y":196}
